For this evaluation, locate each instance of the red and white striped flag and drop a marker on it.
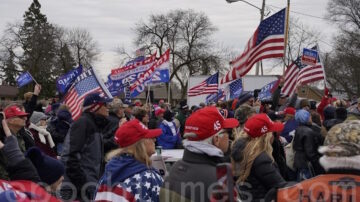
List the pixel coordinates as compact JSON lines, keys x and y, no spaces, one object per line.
{"x":297,"y":73}
{"x":267,"y":42}
{"x":85,"y":83}
{"x":209,"y":86}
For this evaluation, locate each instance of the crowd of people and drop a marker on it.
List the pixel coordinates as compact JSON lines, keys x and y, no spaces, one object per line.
{"x":275,"y":148}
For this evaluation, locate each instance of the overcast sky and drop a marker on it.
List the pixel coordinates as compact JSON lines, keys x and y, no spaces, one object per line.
{"x":111,"y":21}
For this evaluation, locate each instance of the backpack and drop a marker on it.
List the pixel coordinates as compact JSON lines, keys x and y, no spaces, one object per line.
{"x":290,"y":153}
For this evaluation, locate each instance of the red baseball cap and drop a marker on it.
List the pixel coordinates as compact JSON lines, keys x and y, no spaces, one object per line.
{"x":290,"y":110}
{"x":260,"y":124}
{"x":133,"y":131}
{"x":13,"y":111}
{"x":206,"y":122}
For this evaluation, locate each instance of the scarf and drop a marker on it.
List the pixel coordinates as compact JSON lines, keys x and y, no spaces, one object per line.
{"x":42,"y":133}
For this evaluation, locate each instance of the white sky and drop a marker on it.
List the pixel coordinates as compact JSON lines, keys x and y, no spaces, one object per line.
{"x":111,"y":21}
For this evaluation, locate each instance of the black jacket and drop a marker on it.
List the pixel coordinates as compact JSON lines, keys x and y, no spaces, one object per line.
{"x":188,"y":176}
{"x":263,"y":176}
{"x":30,"y":106}
{"x":306,"y":144}
{"x":109,"y":132}
{"x":83,"y":151}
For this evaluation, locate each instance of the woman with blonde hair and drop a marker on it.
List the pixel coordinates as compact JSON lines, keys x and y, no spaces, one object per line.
{"x":253,"y":164}
{"x":129,"y":174}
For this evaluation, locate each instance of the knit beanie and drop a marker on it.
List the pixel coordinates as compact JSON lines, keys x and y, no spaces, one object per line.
{"x":243,"y":112}
{"x":341,"y":113}
{"x":93,"y":102}
{"x":168,"y":115}
{"x":64,"y":115}
{"x":342,"y":140}
{"x":329,"y":112}
{"x":49,"y":169}
{"x":302,"y":116}
{"x":36,"y":117}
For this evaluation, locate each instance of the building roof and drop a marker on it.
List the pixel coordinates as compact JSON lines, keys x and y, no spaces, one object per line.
{"x":8,"y":91}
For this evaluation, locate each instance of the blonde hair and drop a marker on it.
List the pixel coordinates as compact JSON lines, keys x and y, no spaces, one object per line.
{"x":138,"y":150}
{"x":253,"y":148}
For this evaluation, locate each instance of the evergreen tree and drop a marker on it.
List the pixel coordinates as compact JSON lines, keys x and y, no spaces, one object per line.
{"x":10,"y":70}
{"x":38,"y":42}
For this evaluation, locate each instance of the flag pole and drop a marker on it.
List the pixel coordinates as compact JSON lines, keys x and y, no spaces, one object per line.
{"x":169,"y":87}
{"x":321,"y":62}
{"x":286,"y":33}
{"x":33,"y":78}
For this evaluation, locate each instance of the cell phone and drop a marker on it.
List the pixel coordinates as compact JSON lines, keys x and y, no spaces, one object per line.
{"x":225,"y":189}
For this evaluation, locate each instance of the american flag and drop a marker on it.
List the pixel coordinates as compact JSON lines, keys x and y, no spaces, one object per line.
{"x":235,"y":88}
{"x":266,"y":42}
{"x":144,"y":186}
{"x":209,"y":86}
{"x":298,"y":73}
{"x":85,"y":83}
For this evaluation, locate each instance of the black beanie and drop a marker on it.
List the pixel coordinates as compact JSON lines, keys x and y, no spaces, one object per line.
{"x":329,"y":112}
{"x":49,"y":169}
{"x":168,"y":115}
{"x":341,"y":113}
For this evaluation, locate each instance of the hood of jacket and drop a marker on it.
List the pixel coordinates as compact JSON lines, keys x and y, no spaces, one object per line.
{"x":120,"y":168}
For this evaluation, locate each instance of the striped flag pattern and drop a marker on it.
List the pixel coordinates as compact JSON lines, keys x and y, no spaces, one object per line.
{"x":266,"y":42}
{"x":84,"y":84}
{"x":298,"y":73}
{"x":209,"y":86}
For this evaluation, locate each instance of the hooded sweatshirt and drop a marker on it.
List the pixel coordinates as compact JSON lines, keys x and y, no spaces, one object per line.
{"x":127,"y":178}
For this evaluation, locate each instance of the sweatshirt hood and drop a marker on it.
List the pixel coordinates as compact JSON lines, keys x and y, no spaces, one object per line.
{"x":120,"y":168}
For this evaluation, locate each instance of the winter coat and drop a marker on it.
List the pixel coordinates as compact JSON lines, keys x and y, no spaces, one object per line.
{"x":83,"y":153}
{"x":18,"y":167}
{"x":306,"y":144}
{"x":182,"y":118}
{"x":59,"y":126}
{"x":124,"y":172}
{"x":24,"y":139}
{"x":30,"y":106}
{"x":109,"y":131}
{"x":194,"y":169}
{"x":170,"y":137}
{"x":263,"y":176}
{"x":43,"y":140}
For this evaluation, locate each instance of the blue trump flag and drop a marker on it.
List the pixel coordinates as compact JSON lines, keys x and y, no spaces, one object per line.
{"x":235,"y":88}
{"x":24,"y":79}
{"x":266,"y":92}
{"x":64,"y":82}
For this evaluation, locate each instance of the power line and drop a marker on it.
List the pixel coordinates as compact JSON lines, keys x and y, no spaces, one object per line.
{"x":304,"y":14}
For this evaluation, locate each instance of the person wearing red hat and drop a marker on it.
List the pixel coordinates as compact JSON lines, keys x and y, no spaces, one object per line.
{"x":129,"y":176}
{"x":16,"y":121}
{"x":252,"y":159}
{"x":290,"y":126}
{"x":207,"y":139}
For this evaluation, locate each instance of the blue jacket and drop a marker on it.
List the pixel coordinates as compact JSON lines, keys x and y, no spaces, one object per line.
{"x":128,"y":178}
{"x":289,"y":126}
{"x":167,"y":139}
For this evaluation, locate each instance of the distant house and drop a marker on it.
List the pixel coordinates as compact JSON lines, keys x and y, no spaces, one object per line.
{"x":8,"y":92}
{"x":159,"y":92}
{"x":310,"y":92}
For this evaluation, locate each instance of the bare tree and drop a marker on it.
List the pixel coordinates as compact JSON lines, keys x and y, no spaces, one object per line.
{"x":188,"y":35}
{"x":343,"y":63}
{"x":82,"y":45}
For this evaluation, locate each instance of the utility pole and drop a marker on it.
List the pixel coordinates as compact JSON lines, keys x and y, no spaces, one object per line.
{"x":262,"y":11}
